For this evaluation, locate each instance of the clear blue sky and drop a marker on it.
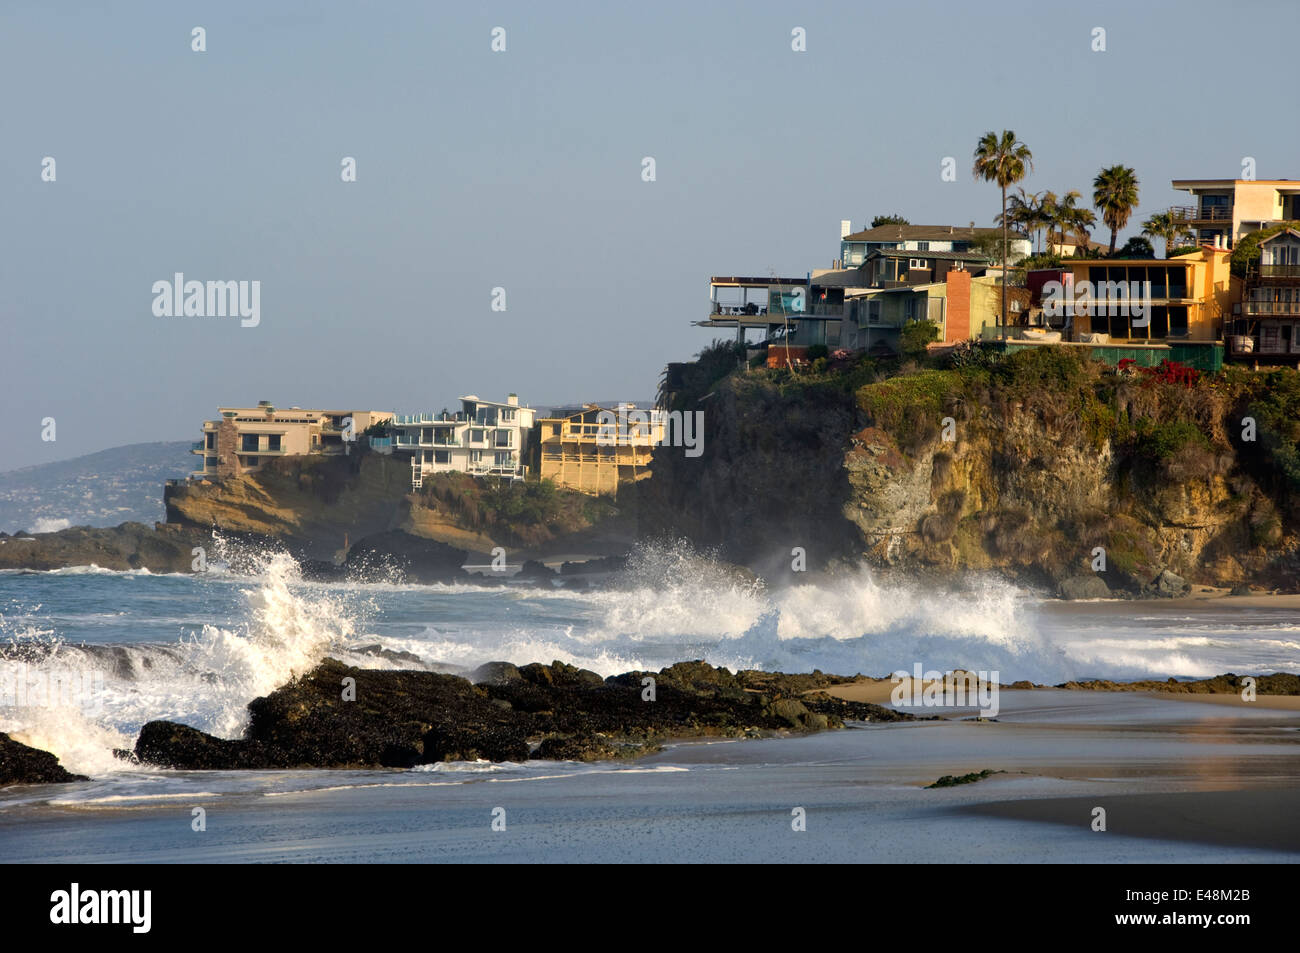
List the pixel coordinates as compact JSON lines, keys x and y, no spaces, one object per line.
{"x":523,"y":170}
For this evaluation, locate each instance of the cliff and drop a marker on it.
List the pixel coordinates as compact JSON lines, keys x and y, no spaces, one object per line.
{"x":1029,"y":465}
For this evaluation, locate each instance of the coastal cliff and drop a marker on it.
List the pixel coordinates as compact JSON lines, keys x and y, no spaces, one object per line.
{"x":1041,"y":465}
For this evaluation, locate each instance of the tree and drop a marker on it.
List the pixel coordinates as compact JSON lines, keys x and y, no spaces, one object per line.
{"x":1002,"y":159}
{"x":1167,"y":226}
{"x":915,"y":335}
{"x":1137,"y":247}
{"x":1115,"y":195}
{"x":1068,"y":217}
{"x":1027,"y":213}
{"x":889,"y":220}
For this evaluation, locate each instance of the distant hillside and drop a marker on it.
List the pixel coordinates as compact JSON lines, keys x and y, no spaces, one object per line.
{"x":99,"y":489}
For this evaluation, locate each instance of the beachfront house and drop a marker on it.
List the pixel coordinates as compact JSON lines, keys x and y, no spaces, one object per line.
{"x":595,"y":449}
{"x":1267,"y":326}
{"x":483,"y":438}
{"x":244,"y":439}
{"x":1223,"y":210}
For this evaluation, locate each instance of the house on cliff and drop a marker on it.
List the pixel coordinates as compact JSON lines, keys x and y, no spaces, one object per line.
{"x":243,"y":439}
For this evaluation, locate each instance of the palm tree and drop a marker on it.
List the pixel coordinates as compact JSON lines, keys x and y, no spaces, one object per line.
{"x":1027,"y":212}
{"x":1167,"y":226}
{"x":1002,"y":159}
{"x":1115,"y":194}
{"x":1071,"y":219}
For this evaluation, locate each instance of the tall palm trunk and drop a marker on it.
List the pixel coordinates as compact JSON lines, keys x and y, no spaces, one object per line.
{"x":1004,"y":263}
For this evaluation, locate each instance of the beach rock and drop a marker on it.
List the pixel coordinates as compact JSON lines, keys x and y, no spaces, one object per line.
{"x":397,"y":553}
{"x":1170,"y":585}
{"x":341,"y":717}
{"x":495,"y":673}
{"x":1084,"y":587}
{"x":20,"y":764}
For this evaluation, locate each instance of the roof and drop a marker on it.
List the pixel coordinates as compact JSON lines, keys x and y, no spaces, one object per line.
{"x":757,"y":282}
{"x":898,"y":233}
{"x":1286,"y":231}
{"x":939,"y":255}
{"x":1182,"y":185}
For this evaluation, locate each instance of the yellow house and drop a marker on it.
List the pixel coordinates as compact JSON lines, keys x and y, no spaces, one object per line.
{"x":1185,"y":298}
{"x":596,"y":448}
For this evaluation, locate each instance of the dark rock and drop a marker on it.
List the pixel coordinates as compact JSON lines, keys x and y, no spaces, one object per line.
{"x":404,"y":718}
{"x":1169,"y":585}
{"x":399,"y":554}
{"x":1084,"y":587}
{"x":20,"y":764}
{"x":495,"y":673}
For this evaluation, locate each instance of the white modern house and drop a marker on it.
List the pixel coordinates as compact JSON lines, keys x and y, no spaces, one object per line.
{"x":483,"y":438}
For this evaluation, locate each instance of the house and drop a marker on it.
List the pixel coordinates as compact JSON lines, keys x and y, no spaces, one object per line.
{"x":924,"y":242}
{"x":1145,"y":300}
{"x":483,"y":438}
{"x":594,"y":449}
{"x":1267,"y":327}
{"x":243,"y":439}
{"x":965,"y":305}
{"x":1226,"y":209}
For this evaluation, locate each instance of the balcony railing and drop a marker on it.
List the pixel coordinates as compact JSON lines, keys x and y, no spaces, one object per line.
{"x":1279,"y":271}
{"x":1209,"y":213}
{"x":1271,"y":307}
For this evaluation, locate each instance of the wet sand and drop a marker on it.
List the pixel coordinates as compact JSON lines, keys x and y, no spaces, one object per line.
{"x":1181,"y":783}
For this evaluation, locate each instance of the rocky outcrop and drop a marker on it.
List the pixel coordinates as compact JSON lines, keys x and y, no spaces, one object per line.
{"x":20,"y":764}
{"x":159,"y":548}
{"x":341,"y":717}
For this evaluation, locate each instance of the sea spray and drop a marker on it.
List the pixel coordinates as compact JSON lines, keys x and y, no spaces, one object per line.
{"x":205,"y":680}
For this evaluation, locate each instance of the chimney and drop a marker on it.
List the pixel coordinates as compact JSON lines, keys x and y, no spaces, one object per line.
{"x":846,"y":227}
{"x":513,"y":400}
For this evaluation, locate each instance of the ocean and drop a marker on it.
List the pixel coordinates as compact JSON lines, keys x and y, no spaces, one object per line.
{"x":134,"y":646}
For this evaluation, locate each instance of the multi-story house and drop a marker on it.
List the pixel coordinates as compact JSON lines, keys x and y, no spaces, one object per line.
{"x":594,"y":449}
{"x":483,"y":438}
{"x":244,"y":439}
{"x":1226,"y":209}
{"x":921,"y":247}
{"x":1268,"y":326}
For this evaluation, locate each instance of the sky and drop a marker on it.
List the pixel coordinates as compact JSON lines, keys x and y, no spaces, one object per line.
{"x":524,"y":170}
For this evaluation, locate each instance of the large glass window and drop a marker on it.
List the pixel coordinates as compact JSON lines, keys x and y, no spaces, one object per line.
{"x":248,"y":443}
{"x":273,"y":442}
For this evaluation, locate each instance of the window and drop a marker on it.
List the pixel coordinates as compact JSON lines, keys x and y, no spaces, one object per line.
{"x":920,"y":264}
{"x":476,"y":456}
{"x":502,"y":439}
{"x":477,"y":436}
{"x":922,"y":246}
{"x":211,"y":441}
{"x":209,"y":463}
{"x":442,"y":456}
{"x":504,"y":460}
{"x":273,"y":442}
{"x":507,"y":416}
{"x":248,"y":443}
{"x":253,"y":461}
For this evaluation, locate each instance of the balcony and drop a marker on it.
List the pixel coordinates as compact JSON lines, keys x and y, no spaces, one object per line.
{"x":1279,"y":271}
{"x":1206,"y":215}
{"x":1266,"y":308}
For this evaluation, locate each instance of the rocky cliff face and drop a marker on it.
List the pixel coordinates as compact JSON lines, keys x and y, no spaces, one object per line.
{"x":1046,"y":468}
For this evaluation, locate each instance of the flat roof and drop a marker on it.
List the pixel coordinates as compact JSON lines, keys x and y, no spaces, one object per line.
{"x":1181,"y":184}
{"x":756,"y":282}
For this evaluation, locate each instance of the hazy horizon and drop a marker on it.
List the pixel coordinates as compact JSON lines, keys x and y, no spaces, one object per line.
{"x":522,"y":170}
